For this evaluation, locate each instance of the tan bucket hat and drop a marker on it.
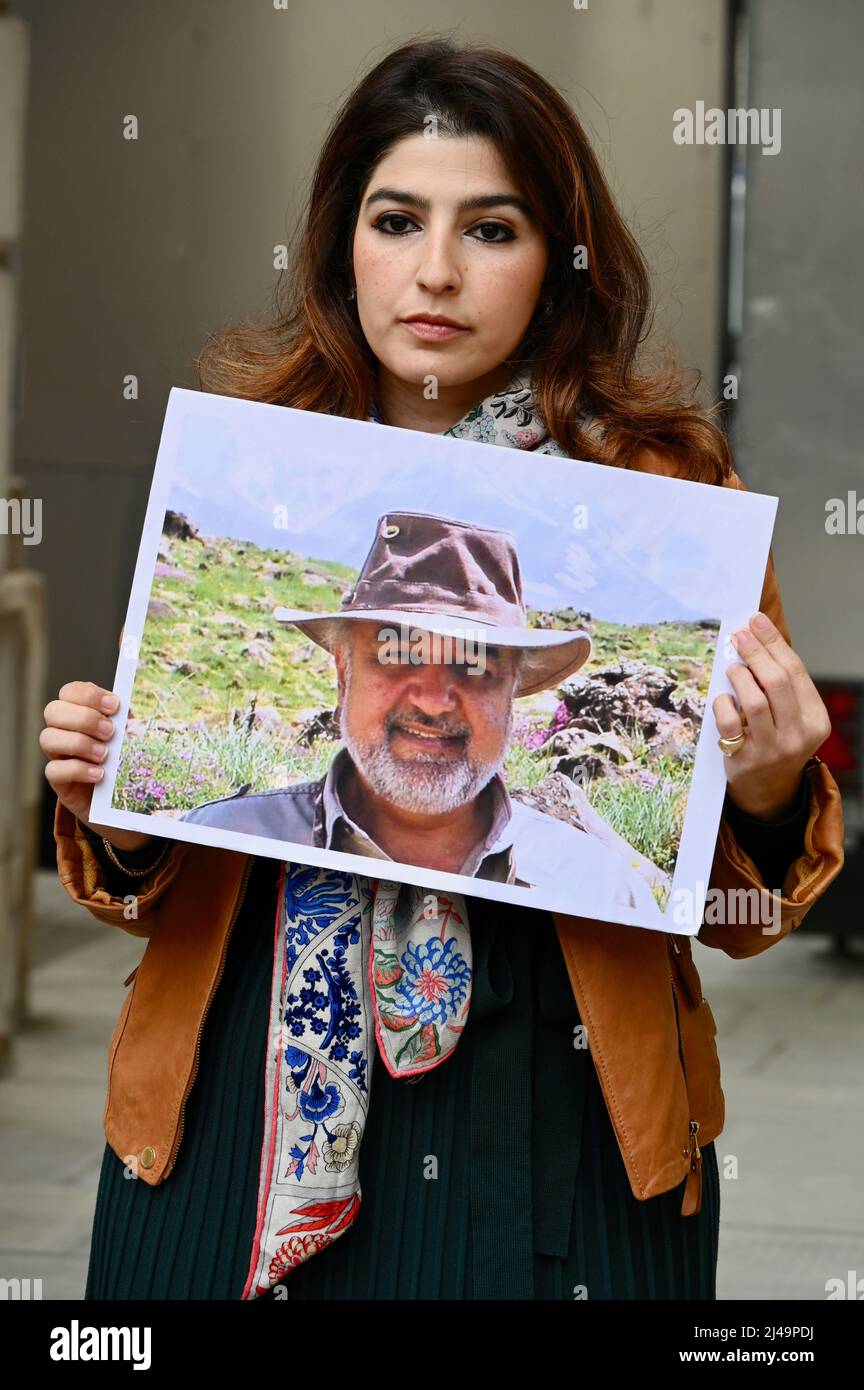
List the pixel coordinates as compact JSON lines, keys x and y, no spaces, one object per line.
{"x":461,"y":580}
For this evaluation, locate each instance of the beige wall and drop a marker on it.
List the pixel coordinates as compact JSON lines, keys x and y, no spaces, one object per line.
{"x":133,"y":249}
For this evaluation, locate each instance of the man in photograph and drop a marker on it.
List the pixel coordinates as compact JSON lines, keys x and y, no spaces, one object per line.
{"x":431,"y":648}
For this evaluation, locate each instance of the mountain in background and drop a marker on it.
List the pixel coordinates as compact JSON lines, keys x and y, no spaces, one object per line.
{"x":341,"y":513}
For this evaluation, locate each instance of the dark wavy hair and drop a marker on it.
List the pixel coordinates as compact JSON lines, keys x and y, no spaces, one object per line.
{"x":312,"y":353}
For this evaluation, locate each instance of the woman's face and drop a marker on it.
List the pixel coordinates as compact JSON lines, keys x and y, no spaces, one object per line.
{"x":418,"y":250}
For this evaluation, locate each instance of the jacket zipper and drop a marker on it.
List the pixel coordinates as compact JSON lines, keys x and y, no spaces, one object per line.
{"x":695,"y":1151}
{"x":240,"y":897}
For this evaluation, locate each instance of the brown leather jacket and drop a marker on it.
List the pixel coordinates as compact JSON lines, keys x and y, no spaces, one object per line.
{"x":650,"y":1031}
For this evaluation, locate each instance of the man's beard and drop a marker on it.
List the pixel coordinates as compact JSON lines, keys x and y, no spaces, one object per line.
{"x":423,"y":785}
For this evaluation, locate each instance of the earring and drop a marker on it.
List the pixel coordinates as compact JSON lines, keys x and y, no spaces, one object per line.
{"x":352,"y":292}
{"x":548,"y":306}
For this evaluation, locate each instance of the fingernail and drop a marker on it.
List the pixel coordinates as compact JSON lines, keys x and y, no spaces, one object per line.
{"x":109,"y":703}
{"x":105,"y":728}
{"x":744,"y":641}
{"x":760,"y":622}
{"x":98,"y":750}
{"x":94,"y":773}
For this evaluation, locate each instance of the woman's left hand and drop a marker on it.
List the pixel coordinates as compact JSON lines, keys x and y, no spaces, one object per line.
{"x":786,"y":721}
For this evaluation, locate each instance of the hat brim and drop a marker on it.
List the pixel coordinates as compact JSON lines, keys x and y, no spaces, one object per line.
{"x":550,"y":654}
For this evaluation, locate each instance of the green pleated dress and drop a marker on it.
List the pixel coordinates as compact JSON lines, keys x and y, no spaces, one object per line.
{"x":495,"y":1175}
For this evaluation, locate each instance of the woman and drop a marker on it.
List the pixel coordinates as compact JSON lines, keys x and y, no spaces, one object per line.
{"x":439,"y":285}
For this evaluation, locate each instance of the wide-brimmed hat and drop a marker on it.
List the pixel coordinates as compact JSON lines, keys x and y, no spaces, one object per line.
{"x":454,"y":579}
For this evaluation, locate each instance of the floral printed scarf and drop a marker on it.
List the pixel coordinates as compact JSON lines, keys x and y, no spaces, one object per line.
{"x":360,"y":967}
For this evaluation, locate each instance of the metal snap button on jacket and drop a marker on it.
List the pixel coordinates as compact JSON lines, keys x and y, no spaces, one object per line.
{"x":148,"y":1157}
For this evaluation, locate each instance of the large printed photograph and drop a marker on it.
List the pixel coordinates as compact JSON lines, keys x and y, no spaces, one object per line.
{"x":349,"y":643}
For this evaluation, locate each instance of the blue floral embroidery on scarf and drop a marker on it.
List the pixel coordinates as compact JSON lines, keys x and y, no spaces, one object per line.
{"x":327,"y":1005}
{"x":434,"y":981}
{"x":312,"y":905}
{"x":319,"y":1103}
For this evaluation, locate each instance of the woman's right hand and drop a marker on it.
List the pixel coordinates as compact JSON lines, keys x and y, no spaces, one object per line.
{"x":78,"y":728}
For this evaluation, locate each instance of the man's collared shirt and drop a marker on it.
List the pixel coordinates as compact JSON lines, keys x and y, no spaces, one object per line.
{"x":490,"y":858}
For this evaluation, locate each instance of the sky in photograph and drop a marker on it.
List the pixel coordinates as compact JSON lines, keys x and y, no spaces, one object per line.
{"x":645,"y":555}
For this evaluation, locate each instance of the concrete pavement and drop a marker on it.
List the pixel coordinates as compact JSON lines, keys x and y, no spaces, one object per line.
{"x":53,"y":1092}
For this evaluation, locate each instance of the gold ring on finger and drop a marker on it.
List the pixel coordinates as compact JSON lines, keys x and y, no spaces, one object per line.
{"x":731,"y":745}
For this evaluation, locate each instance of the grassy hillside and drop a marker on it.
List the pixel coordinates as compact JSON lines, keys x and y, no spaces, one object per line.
{"x":222,"y":690}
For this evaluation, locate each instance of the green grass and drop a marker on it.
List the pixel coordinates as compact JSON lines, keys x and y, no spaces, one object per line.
{"x":651,"y":823}
{"x":182,"y":769}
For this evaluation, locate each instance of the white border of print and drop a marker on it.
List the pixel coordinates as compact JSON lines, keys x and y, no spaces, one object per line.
{"x":746,"y":517}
